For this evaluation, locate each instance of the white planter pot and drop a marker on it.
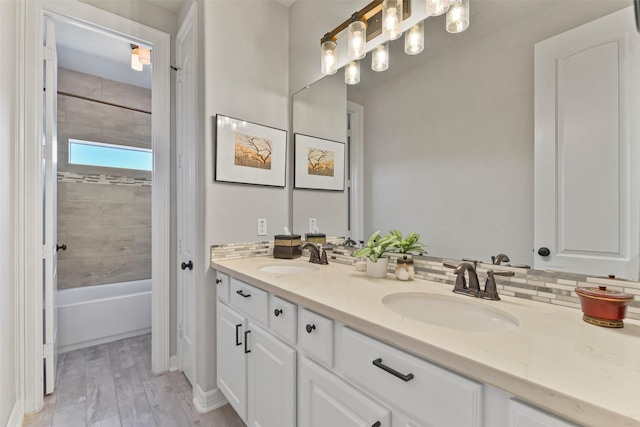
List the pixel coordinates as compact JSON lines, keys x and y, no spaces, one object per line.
{"x":377,"y":269}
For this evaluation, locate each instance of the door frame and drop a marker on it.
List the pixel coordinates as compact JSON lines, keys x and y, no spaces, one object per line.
{"x":29,"y":181}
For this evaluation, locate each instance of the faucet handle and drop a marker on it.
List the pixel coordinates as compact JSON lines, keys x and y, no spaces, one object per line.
{"x":474,"y":261}
{"x":500,"y":273}
{"x":449,"y":265}
{"x":490,"y":288}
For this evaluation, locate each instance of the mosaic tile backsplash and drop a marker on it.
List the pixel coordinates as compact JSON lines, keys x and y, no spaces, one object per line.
{"x":542,"y":286}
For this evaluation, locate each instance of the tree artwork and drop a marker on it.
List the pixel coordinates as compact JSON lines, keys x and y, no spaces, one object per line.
{"x":253,"y":151}
{"x":321,"y":162}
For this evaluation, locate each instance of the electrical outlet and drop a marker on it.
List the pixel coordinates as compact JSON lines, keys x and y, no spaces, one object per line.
{"x":262,"y":226}
{"x":312,"y":225}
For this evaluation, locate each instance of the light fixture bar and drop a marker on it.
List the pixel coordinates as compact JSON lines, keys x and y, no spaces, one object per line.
{"x":372,"y":14}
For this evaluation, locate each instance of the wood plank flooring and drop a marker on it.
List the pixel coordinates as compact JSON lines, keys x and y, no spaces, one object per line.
{"x":112,"y":385}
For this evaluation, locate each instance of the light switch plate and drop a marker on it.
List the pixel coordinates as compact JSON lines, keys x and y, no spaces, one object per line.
{"x":262,"y":226}
{"x":312,"y":225}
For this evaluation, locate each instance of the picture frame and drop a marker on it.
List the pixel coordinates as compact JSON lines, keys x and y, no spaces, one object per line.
{"x":318,"y":163}
{"x":249,"y":153}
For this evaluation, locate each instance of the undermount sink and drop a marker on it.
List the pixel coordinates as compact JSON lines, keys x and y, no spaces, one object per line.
{"x":287,"y":269}
{"x":450,"y":312}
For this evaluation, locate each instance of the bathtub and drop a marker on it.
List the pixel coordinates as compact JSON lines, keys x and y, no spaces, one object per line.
{"x":99,"y":314}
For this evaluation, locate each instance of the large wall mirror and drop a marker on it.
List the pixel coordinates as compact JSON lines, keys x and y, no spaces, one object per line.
{"x":448,"y":134}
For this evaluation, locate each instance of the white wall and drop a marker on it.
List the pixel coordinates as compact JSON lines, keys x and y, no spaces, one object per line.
{"x":246,"y":76}
{"x":449,"y":146}
{"x":8,"y":284}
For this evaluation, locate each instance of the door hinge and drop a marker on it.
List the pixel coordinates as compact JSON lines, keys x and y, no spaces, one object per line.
{"x":180,"y":330}
{"x":47,"y":54}
{"x":47,"y":351}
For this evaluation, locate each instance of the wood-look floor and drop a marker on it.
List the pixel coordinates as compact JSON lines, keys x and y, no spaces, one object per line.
{"x":112,"y":385}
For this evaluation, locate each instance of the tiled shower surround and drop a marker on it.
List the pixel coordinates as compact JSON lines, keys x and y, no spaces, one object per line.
{"x":542,"y":286}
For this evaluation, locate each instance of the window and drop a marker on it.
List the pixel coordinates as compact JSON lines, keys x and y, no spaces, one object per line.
{"x":109,"y":155}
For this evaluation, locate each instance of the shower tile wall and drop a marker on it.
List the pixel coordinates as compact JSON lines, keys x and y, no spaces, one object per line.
{"x":104,"y":214}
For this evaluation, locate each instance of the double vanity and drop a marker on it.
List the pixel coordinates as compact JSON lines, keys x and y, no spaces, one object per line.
{"x":323,"y":345}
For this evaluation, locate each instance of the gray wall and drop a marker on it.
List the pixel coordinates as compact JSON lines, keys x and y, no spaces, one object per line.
{"x":245,"y":57}
{"x":8,"y":284}
{"x":106,"y":225}
{"x":453,"y":158}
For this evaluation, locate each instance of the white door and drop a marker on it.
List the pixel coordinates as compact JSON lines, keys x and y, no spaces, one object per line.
{"x":231,"y":357}
{"x":49,"y":171}
{"x":325,"y":400}
{"x":271,"y":380}
{"x":186,"y":123}
{"x":587,"y":94}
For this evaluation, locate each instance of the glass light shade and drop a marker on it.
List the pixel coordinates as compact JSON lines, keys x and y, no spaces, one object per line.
{"x":144,"y":55}
{"x":380,"y":58}
{"x":357,"y":40}
{"x":437,"y":7}
{"x":352,"y":73}
{"x":414,"y":39}
{"x":458,"y":17}
{"x":392,"y":19}
{"x":329,"y":60}
{"x":135,"y":60}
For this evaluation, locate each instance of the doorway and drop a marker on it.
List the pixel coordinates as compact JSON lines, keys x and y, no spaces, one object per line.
{"x":30,"y":204}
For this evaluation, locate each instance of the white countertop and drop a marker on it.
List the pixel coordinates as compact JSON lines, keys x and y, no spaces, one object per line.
{"x":555,"y":360}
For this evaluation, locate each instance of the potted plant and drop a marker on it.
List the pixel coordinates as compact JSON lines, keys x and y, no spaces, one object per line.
{"x":374,"y":250}
{"x":404,"y":264}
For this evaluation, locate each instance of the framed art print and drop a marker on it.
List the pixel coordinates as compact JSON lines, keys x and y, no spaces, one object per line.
{"x":318,"y":163}
{"x":249,"y":153}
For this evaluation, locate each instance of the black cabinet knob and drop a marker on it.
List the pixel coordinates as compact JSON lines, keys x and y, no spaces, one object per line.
{"x":544,"y":251}
{"x":277,"y":312}
{"x":310,"y":328}
{"x":186,"y":265}
{"x":218,"y":280}
{"x":63,"y":247}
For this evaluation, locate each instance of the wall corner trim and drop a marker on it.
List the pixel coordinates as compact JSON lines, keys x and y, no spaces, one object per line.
{"x":173,"y":363}
{"x":17,"y":414}
{"x":207,"y":401}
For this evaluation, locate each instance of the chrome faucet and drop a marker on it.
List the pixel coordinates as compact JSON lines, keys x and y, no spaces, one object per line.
{"x":316,"y":255}
{"x":496,"y":260}
{"x":490,"y":291}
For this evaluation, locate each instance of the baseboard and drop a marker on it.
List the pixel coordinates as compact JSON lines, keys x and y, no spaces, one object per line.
{"x":207,"y":401}
{"x":17,"y":414}
{"x":173,"y":363}
{"x":102,"y":340}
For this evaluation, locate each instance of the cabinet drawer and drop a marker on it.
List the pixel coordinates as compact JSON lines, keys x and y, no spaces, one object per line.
{"x":434,"y":395}
{"x":249,"y":300}
{"x":282,"y":318}
{"x":222,"y":286}
{"x":523,"y":415}
{"x":315,"y":336}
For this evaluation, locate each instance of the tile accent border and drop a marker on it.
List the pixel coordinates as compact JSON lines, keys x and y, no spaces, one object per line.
{"x":548,"y":287}
{"x":89,"y":178}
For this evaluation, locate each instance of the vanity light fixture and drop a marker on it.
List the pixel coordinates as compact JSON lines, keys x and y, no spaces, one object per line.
{"x":414,"y":39}
{"x":357,"y":38}
{"x":380,"y":57}
{"x":140,"y":56}
{"x":352,"y":73}
{"x":458,"y":17}
{"x":437,"y":7}
{"x":392,"y":19}
{"x":329,"y":58}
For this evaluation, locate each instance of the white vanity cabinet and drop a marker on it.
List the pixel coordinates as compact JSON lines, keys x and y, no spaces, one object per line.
{"x":256,"y":370}
{"x":523,"y":415}
{"x":326,"y":400}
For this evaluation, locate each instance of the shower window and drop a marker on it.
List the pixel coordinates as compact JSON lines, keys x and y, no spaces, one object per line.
{"x":109,"y":155}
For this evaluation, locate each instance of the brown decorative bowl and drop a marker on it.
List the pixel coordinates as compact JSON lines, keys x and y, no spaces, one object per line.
{"x":603,"y":307}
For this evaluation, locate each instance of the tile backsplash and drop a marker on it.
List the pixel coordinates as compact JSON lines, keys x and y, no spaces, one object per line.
{"x":543,"y":286}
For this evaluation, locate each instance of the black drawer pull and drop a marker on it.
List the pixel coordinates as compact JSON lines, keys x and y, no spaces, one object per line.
{"x":246,"y":341}
{"x":242,"y":294}
{"x":310,"y":328}
{"x":376,"y":424}
{"x":237,"y":337}
{"x":277,"y":312}
{"x":218,"y":280}
{"x":379,"y":364}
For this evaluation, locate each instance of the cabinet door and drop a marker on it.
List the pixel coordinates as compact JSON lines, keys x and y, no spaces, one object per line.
{"x":271,"y":380}
{"x":586,"y":192}
{"x":325,"y":400}
{"x":522,"y":415}
{"x":232,"y":361}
